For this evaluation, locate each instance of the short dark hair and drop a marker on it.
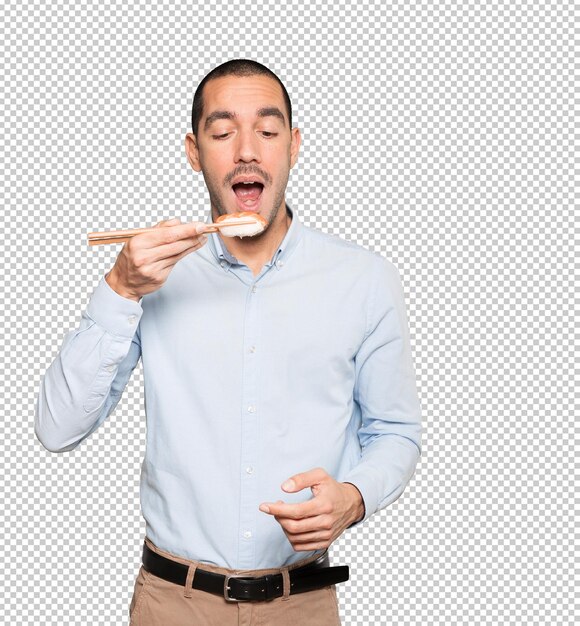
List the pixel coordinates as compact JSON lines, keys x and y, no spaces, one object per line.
{"x":235,"y":67}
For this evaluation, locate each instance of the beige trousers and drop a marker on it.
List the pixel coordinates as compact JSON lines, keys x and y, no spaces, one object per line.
{"x":158,"y":602}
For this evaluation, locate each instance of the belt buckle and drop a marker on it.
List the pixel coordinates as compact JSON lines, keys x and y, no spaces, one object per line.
{"x":227,"y":587}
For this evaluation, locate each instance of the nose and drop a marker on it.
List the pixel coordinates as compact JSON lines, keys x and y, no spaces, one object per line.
{"x":247,"y":148}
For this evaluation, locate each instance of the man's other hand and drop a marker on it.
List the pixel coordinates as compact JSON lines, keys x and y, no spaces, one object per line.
{"x":316,"y":523}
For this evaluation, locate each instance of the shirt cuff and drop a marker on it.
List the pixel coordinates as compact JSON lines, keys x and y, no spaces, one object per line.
{"x":358,"y":521}
{"x":116,"y":314}
{"x":359,"y":477}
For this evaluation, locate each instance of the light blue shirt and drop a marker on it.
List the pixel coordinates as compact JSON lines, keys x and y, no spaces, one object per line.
{"x":248,"y":381}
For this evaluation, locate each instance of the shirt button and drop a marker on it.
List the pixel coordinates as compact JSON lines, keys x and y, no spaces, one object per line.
{"x":279,"y":263}
{"x":248,"y":534}
{"x":110,"y":368}
{"x":253,"y":349}
{"x":254,"y":289}
{"x":132,"y":319}
{"x":249,"y":470}
{"x":252,"y":408}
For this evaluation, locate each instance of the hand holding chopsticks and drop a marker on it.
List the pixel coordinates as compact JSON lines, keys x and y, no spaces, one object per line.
{"x":143,"y":265}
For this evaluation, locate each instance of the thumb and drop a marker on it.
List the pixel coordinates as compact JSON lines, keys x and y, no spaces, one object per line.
{"x":305,"y":479}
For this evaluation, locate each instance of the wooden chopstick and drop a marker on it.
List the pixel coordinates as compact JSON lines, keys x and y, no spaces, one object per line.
{"x":121,"y":236}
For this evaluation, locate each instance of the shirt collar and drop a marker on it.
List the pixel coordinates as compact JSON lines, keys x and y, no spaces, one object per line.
{"x":290,"y":241}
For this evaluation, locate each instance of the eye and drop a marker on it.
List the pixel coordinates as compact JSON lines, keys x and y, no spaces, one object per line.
{"x":268,"y":134}
{"x":222,"y":136}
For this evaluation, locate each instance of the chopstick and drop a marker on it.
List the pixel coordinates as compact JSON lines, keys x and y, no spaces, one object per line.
{"x":121,"y":236}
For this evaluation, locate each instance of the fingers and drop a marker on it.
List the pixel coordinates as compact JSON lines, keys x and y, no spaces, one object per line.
{"x":315,"y":506}
{"x":316,"y":523}
{"x":295,"y":511}
{"x":146,"y":259}
{"x":316,"y":540}
{"x":178,"y":249}
{"x":305,"y":479}
{"x":167,"y":233}
{"x":168,"y":239}
{"x":302,"y":523}
{"x":307,"y":526}
{"x":308,"y":547}
{"x":170,"y":222}
{"x":172,"y":260}
{"x":310,"y":534}
{"x":161,"y":255}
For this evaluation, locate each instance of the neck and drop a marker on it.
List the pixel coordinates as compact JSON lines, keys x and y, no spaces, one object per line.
{"x":255,"y":252}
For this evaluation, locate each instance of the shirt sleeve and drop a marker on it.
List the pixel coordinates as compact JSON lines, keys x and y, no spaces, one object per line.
{"x":84,"y":383}
{"x":385,"y":390}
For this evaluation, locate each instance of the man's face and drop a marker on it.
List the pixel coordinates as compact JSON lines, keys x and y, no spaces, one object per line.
{"x":243,"y":135}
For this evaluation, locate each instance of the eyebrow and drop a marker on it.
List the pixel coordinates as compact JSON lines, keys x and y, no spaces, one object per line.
{"x":272,"y":111}
{"x":229,"y":115}
{"x":218,"y":115}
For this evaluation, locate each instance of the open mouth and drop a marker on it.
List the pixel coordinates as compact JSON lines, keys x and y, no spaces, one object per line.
{"x":248,"y":194}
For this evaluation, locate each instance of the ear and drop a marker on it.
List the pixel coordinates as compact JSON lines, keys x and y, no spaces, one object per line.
{"x":192,"y":151}
{"x":294,"y":146}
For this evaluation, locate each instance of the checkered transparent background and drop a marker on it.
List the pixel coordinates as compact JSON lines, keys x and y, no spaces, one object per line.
{"x":438,"y":133}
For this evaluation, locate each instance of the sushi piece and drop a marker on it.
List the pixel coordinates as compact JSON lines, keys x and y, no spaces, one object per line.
{"x":243,"y":224}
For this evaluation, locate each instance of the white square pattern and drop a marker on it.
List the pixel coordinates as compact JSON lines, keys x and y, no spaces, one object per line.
{"x":437,"y":133}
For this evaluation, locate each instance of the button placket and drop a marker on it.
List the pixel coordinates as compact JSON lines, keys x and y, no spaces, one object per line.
{"x":250,"y":411}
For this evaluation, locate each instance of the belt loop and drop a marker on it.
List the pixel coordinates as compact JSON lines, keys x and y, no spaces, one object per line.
{"x":189,"y":580}
{"x":285,"y":583}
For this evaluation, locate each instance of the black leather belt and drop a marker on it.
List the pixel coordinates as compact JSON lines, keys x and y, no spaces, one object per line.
{"x":311,"y":576}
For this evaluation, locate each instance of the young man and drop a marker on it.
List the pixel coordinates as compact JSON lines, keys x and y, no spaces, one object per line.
{"x":280,"y":391}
